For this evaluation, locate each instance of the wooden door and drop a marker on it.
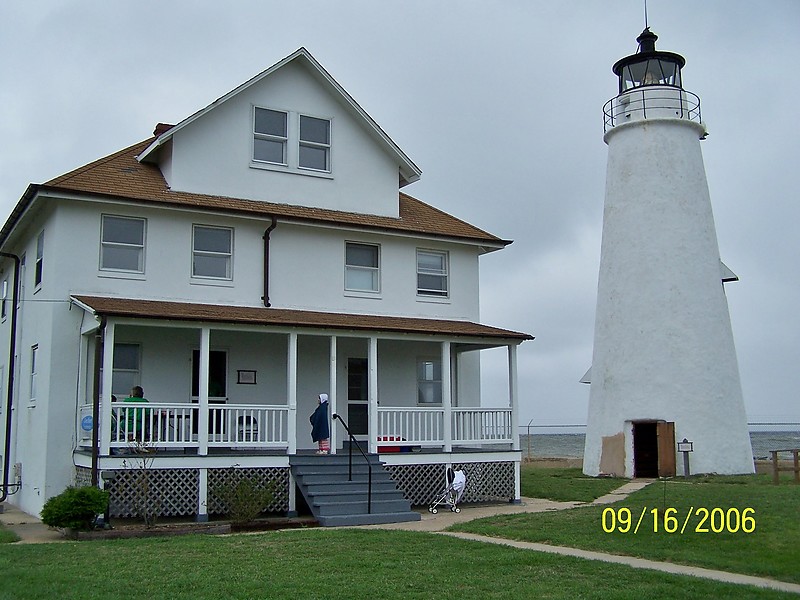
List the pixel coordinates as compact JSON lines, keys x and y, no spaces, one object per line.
{"x":666,"y":448}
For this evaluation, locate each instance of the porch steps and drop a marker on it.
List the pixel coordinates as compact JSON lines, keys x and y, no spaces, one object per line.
{"x":335,"y":501}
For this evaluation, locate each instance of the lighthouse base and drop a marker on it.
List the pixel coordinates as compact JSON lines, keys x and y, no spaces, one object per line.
{"x":648,"y":449}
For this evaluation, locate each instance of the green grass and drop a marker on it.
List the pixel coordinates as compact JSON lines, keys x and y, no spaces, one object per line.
{"x":6,"y":535}
{"x":328,"y":564}
{"x":564,"y":484}
{"x":772,"y":550}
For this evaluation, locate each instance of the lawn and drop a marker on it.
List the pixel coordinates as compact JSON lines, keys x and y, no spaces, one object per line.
{"x":327,"y":564}
{"x":564,"y":484}
{"x":6,"y":535}
{"x":772,"y":549}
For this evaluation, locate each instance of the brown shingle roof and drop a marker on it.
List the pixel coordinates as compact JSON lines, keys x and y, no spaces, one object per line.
{"x":120,"y":175}
{"x":183,"y":311}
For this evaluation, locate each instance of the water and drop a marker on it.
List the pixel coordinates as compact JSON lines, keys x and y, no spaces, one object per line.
{"x":570,"y":445}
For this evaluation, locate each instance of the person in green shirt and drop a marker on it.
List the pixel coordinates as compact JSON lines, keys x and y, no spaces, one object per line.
{"x":135,"y":417}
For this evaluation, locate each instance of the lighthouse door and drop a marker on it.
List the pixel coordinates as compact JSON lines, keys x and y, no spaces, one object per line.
{"x":666,"y":448}
{"x":653,"y":449}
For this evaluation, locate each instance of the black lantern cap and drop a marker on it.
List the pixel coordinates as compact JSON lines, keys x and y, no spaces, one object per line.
{"x":648,"y":66}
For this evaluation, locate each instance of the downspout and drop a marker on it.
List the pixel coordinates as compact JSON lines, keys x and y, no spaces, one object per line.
{"x":98,"y":357}
{"x":267,"y":233}
{"x":12,"y":350}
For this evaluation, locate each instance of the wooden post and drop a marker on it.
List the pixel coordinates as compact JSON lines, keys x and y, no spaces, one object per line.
{"x":776,"y":478}
{"x":796,"y":465}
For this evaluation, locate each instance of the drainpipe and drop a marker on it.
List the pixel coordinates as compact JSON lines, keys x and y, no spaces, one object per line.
{"x":12,"y":350}
{"x":267,"y":233}
{"x":98,"y":357}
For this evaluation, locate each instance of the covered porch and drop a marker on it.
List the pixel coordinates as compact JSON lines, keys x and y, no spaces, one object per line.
{"x":225,"y":380}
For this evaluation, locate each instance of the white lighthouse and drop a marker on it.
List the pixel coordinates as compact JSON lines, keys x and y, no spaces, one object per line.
{"x":664,"y":368}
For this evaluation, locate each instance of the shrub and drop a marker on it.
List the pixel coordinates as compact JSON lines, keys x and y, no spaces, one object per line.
{"x":244,"y":499}
{"x":75,"y":508}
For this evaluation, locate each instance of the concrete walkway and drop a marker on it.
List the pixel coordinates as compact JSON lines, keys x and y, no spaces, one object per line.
{"x":30,"y":530}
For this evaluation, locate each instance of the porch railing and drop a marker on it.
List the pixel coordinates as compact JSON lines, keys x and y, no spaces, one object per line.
{"x":425,"y":426}
{"x":482,"y":425}
{"x":175,"y":425}
{"x":248,"y":426}
{"x":418,"y":426}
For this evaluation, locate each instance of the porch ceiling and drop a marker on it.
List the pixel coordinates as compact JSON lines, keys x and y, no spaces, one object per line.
{"x":277,"y":317}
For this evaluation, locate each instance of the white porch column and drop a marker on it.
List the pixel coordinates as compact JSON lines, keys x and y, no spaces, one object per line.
{"x":202,"y":400}
{"x":332,"y":394}
{"x":513,"y":395}
{"x":105,"y":400}
{"x":447,"y":397}
{"x":372,"y":363}
{"x":202,"y":496}
{"x":291,"y":389}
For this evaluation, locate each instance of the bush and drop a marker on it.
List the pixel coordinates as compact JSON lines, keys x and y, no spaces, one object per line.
{"x":75,"y":508}
{"x":244,"y":499}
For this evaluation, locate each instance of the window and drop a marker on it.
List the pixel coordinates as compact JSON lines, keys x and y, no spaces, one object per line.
{"x":270,"y":136}
{"x":21,"y":282}
{"x":4,"y":299}
{"x":34,"y":367}
{"x":37,"y":279}
{"x":212,"y":252}
{"x":126,"y":369}
{"x":122,"y":244}
{"x":429,"y":381}
{"x":432,"y":273}
{"x":315,"y":143}
{"x":362,"y":267}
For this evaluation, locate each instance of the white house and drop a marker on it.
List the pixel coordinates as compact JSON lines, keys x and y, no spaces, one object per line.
{"x":236,"y":265}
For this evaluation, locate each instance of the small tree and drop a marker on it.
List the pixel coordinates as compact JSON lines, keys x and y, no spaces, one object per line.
{"x":245,"y":499}
{"x":146,"y":495}
{"x":75,"y":508}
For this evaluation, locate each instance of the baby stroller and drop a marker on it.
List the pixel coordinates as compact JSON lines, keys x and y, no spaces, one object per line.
{"x":456,"y":482}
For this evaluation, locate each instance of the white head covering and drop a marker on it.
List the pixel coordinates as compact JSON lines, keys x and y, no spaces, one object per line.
{"x":323,"y":398}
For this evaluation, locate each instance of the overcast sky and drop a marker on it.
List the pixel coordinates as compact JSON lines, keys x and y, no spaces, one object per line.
{"x":499,"y":103}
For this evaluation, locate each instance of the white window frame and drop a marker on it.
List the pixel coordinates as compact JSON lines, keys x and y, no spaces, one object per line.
{"x":34,"y":377}
{"x":39,"y":269}
{"x":23,"y":270}
{"x":313,"y":144}
{"x":4,"y":300}
{"x":292,"y":144}
{"x":445,"y":274}
{"x":112,"y":244}
{"x":137,"y":372}
{"x":283,"y":140}
{"x":434,"y":362}
{"x":210,"y":253}
{"x":375,"y":270}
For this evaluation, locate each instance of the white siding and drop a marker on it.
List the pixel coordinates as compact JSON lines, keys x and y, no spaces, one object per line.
{"x":213,"y":155}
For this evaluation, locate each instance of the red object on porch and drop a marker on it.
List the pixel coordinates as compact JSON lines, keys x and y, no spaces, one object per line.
{"x":392,"y":438}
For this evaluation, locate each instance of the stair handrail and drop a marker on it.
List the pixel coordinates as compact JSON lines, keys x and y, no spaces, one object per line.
{"x":353,"y":441}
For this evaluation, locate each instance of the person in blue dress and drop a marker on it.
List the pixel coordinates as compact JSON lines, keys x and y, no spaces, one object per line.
{"x":320,"y":428}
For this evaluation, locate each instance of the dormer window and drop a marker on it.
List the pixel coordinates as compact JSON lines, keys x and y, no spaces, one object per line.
{"x":290,"y":141}
{"x":315,"y":143}
{"x":270,"y":136}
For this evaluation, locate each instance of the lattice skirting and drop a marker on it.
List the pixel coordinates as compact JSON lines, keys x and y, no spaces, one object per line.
{"x":160,"y":492}
{"x":275,"y":476}
{"x":173,"y":492}
{"x":487,"y":481}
